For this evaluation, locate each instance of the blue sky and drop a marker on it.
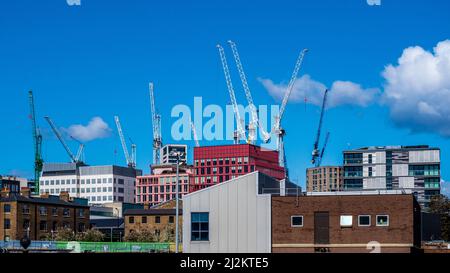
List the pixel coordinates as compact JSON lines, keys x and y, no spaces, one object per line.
{"x":95,"y":60}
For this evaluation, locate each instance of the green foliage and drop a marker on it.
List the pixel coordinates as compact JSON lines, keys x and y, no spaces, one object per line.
{"x":91,"y":235}
{"x":167,"y":235}
{"x":441,"y":205}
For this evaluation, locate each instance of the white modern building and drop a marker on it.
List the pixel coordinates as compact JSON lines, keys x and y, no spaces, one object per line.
{"x":231,"y":217}
{"x":98,"y":184}
{"x":416,"y":168}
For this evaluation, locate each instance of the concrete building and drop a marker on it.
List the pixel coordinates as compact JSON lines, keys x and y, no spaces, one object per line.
{"x":160,"y":186}
{"x":394,"y":167}
{"x":216,"y":164}
{"x":231,"y":217}
{"x":348,"y":222}
{"x":167,"y":151}
{"x":98,"y":184}
{"x":10,"y":183}
{"x":40,"y":217}
{"x":324,"y":179}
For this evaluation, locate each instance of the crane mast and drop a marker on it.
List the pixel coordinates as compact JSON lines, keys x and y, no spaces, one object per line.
{"x":37,"y":143}
{"x":277,"y":129}
{"x":319,"y":160}
{"x":61,"y":139}
{"x":80,"y":154}
{"x":240,"y":132}
{"x":194,"y":133}
{"x":254,"y":113}
{"x":156,"y":123}
{"x":130,"y":159}
{"x":316,"y":152}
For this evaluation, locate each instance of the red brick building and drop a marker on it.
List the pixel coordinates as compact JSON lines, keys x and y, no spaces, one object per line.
{"x":216,"y":164}
{"x":345,"y":223}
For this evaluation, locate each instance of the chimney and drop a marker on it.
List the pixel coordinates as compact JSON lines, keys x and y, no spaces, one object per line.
{"x":146,"y":206}
{"x":45,"y":195}
{"x":64,"y":196}
{"x":25,"y":192}
{"x":5,"y":193}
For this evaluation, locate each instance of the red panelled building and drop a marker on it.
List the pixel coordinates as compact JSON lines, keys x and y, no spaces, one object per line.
{"x":216,"y":164}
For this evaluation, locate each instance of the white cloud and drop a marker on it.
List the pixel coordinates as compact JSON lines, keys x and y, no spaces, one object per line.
{"x":417,"y":89}
{"x":96,"y":128}
{"x":341,"y":92}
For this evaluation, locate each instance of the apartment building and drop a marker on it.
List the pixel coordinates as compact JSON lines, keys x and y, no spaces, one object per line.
{"x":394,"y":167}
{"x":324,"y":179}
{"x":40,"y":217}
{"x":160,"y":186}
{"x":98,"y":184}
{"x":216,"y":164}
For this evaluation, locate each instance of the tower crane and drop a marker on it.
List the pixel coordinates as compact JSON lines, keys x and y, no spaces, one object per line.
{"x":194,"y":133}
{"x":254,"y":113}
{"x":130,"y":159}
{"x":156,"y":123}
{"x":277,"y":129}
{"x":319,"y":160}
{"x":73,"y":158}
{"x":80,"y":153}
{"x":240,"y":131}
{"x":37,"y":142}
{"x":316,"y":152}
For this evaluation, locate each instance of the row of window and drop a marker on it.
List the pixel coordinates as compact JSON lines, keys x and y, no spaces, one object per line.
{"x":224,"y":170}
{"x":183,"y":179}
{"x":43,"y":210}
{"x":222,"y":161}
{"x":81,"y":181}
{"x":158,"y":198}
{"x":144,"y":219}
{"x":43,"y":225}
{"x":83,"y":190}
{"x":347,"y":221}
{"x":162,"y":189}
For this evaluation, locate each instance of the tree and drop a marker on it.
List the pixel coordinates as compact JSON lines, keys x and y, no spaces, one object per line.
{"x":64,"y":235}
{"x":91,"y":235}
{"x":440,"y":204}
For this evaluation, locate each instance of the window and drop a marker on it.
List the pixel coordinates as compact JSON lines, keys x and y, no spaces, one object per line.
{"x":370,"y":159}
{"x":26,"y":224}
{"x":200,"y":226}
{"x":6,"y":208}
{"x":43,"y":226}
{"x":364,"y":220}
{"x":43,"y":210}
{"x":157,"y":219}
{"x":131,"y":220}
{"x":81,"y":227}
{"x":144,"y":219}
{"x":382,"y":220}
{"x":25,"y":209}
{"x":81,"y":213}
{"x":55,"y":211}
{"x":66,"y":212}
{"x":346,"y":221}
{"x":297,"y":221}
{"x":370,"y":172}
{"x":7,"y":223}
{"x":171,"y":219}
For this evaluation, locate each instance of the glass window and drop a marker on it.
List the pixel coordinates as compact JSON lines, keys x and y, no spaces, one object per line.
{"x":364,"y":220}
{"x":66,"y":212}
{"x":171,"y":219}
{"x":43,"y":226}
{"x":54,"y":211}
{"x":199,"y":226}
{"x":382,"y":220}
{"x":346,"y":221}
{"x":144,"y":219}
{"x":157,"y":219}
{"x":7,"y":208}
{"x":131,"y":220}
{"x":6,"y":223}
{"x":43,"y":210}
{"x":297,"y":221}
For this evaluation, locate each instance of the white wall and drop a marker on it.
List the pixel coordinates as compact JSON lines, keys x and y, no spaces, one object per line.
{"x":239,"y":218}
{"x":424,"y":156}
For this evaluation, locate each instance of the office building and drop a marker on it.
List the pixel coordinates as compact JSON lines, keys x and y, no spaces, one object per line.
{"x":394,"y":167}
{"x":98,"y":184}
{"x":40,"y":217}
{"x":160,"y":186}
{"x":324,"y":179}
{"x":216,"y":164}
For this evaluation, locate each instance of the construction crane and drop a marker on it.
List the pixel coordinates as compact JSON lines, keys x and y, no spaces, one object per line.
{"x":319,"y":160}
{"x":240,"y":131}
{"x":316,"y":152}
{"x":133,"y":153}
{"x":277,"y":129}
{"x":73,"y":158}
{"x":194,"y":133}
{"x":130,"y":159}
{"x":80,"y":154}
{"x":254,"y":113}
{"x":37,"y":141}
{"x":156,"y":123}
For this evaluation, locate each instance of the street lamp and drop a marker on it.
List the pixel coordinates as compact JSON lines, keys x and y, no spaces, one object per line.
{"x":177,"y":156}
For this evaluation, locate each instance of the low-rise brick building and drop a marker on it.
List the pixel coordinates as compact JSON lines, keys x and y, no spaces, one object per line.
{"x":39,"y":217}
{"x":350,"y":222}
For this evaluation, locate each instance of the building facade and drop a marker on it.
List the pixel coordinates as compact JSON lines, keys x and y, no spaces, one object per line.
{"x":346,"y":222}
{"x":10,"y":183}
{"x":167,"y":151}
{"x":160,"y":186}
{"x":394,"y":167}
{"x":216,"y":164}
{"x":324,"y":179}
{"x":40,"y":217}
{"x":98,"y":184}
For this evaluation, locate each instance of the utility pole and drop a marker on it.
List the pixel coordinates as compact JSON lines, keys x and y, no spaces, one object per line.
{"x":178,"y":156}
